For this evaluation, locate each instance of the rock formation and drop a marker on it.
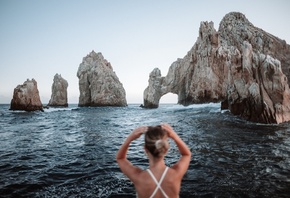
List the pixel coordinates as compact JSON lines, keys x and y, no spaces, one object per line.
{"x":98,"y":83}
{"x":26,"y":97}
{"x":240,"y":65}
{"x":58,"y":92}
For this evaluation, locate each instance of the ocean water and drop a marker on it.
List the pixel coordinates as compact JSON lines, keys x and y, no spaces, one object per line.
{"x":70,"y":152}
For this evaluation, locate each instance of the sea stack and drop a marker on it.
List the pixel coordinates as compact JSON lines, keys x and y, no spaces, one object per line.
{"x":58,"y":92}
{"x":26,"y":97}
{"x":98,"y":83}
{"x":239,"y":65}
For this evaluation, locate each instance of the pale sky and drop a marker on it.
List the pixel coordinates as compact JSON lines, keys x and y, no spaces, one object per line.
{"x":40,"y":38}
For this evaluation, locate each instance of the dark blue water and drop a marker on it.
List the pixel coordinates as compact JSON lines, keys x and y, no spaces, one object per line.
{"x":71,"y":152}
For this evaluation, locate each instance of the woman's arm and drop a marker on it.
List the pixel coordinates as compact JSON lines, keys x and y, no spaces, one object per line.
{"x":125,"y":165}
{"x":182,"y":165}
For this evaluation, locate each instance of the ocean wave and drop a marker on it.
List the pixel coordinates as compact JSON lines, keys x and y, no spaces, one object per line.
{"x":193,"y":106}
{"x":52,"y":109}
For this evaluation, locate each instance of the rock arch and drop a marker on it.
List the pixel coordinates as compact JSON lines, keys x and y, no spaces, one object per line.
{"x":228,"y":66}
{"x":169,"y":98}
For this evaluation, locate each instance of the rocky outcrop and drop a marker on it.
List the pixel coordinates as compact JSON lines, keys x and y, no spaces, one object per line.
{"x":240,"y":65}
{"x":98,"y":83}
{"x":58,"y":92}
{"x":26,"y":97}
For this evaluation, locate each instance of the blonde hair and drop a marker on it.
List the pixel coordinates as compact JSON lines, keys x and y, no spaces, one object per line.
{"x":156,"y":141}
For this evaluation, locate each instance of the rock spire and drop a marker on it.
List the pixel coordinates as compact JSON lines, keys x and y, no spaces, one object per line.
{"x":58,"y":92}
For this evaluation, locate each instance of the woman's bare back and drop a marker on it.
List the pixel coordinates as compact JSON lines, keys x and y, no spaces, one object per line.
{"x":146,"y":186}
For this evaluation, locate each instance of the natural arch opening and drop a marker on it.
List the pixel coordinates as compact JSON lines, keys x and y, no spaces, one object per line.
{"x":169,"y":98}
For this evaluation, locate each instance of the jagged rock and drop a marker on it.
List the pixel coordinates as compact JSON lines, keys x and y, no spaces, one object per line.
{"x":235,"y":28}
{"x":238,"y":65}
{"x":98,"y":83}
{"x":58,"y":92}
{"x":26,"y":97}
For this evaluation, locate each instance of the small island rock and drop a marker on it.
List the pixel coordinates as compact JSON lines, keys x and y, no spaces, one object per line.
{"x":26,"y":97}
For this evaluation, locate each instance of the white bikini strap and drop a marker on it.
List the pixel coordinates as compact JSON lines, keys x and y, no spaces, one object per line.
{"x":158,"y":183}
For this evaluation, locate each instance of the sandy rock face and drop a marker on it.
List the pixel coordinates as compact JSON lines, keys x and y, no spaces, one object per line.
{"x":26,"y":97}
{"x":58,"y":92}
{"x":98,"y":83}
{"x":237,"y":65}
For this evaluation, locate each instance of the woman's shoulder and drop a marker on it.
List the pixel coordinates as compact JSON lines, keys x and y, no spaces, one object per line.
{"x":173,"y":174}
{"x":143,"y":173}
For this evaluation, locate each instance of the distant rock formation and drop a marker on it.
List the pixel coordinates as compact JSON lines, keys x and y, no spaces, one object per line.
{"x":26,"y":97}
{"x":58,"y":92}
{"x":240,"y":65}
{"x":98,"y":83}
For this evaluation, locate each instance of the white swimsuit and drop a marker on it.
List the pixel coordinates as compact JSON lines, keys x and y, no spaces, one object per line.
{"x":158,"y":183}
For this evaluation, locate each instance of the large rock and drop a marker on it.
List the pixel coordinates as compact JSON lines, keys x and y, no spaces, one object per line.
{"x":98,"y":83}
{"x":238,"y":65}
{"x":26,"y":97}
{"x":58,"y":92}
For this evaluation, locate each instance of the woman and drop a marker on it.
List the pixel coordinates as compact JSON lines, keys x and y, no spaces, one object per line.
{"x":157,"y":181}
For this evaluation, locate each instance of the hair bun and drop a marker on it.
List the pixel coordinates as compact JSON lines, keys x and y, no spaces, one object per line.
{"x":161,"y":144}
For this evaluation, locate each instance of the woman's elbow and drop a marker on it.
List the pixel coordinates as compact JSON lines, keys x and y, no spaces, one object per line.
{"x":120,"y":158}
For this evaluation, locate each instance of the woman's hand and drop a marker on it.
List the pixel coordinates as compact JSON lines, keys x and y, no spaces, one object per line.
{"x":170,"y":132}
{"x":136,"y":133}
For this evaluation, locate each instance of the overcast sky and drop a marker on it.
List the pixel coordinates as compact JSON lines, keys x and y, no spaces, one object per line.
{"x":40,"y":38}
